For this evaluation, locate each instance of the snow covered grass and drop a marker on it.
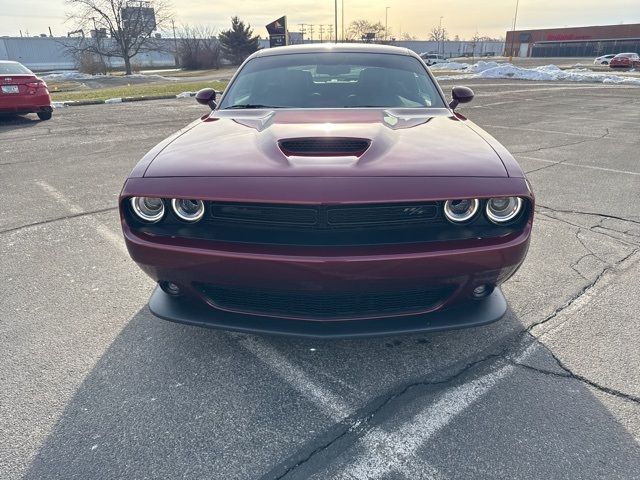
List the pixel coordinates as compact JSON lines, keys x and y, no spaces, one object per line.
{"x":137,"y":90}
{"x":65,"y":76}
{"x":545,"y":73}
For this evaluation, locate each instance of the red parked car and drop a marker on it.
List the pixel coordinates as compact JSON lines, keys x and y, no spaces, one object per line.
{"x":625,"y":60}
{"x":22,"y":92}
{"x":332,"y":192}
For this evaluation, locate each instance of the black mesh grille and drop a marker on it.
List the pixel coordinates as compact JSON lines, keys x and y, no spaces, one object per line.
{"x":260,"y":213}
{"x":331,"y":216}
{"x":324,"y":305}
{"x":323,"y":146}
{"x":386,"y":214}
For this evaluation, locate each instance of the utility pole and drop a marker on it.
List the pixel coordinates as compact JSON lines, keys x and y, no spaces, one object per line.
{"x":302,"y":30}
{"x":343,"y":20}
{"x":386,"y":21}
{"x":311,"y":32}
{"x":175,"y":42}
{"x":321,"y":27}
{"x":330,"y":31}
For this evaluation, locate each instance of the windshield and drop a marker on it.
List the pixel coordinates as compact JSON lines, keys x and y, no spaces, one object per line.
{"x":11,"y":68}
{"x":332,"y":80}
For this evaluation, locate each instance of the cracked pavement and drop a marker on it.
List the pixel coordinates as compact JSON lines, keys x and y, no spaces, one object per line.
{"x":94,"y":387}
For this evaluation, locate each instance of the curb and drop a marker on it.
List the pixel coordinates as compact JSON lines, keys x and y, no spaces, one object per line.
{"x":141,"y":98}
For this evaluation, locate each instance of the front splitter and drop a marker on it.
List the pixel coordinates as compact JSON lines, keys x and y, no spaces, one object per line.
{"x":471,"y":314}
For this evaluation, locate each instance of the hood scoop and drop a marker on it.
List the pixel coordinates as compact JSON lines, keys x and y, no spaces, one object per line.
{"x":324,"y":147}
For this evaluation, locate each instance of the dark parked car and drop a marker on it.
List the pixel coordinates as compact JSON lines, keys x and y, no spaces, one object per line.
{"x":332,"y":192}
{"x":22,"y":92}
{"x":625,"y":60}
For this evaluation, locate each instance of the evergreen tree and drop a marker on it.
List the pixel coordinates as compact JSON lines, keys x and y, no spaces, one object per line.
{"x":239,"y":42}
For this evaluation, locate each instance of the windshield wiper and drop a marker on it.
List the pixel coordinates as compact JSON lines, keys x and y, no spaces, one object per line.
{"x":250,"y":105}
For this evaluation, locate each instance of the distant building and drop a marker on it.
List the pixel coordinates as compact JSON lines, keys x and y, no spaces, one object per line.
{"x":573,"y":41}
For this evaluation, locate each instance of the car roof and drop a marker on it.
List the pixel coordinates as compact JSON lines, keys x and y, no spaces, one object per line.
{"x":333,"y":47}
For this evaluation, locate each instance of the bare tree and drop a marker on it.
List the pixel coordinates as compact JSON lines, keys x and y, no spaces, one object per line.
{"x":406,"y":36}
{"x":198,"y":47}
{"x":123,"y":28}
{"x":475,"y":41}
{"x":438,"y":34}
{"x":365,"y":30}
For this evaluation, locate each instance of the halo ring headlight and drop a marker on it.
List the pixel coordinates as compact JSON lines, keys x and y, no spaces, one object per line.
{"x":503,"y":209}
{"x":460,"y":211}
{"x":187,"y":209}
{"x":148,"y":209}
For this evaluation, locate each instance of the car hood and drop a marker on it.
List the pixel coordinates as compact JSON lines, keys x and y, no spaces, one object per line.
{"x":402,"y":142}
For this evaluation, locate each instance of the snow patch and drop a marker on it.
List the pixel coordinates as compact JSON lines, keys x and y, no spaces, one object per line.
{"x":58,"y":104}
{"x":113,"y":100}
{"x":186,"y":95}
{"x":545,"y":73}
{"x":61,"y":76}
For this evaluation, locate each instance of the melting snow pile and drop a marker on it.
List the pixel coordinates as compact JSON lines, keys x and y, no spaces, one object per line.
{"x":546,"y":73}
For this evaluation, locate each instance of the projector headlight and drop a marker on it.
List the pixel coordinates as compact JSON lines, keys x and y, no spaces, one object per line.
{"x":148,"y":209}
{"x":503,"y":209}
{"x":188,"y":210}
{"x":459,"y":211}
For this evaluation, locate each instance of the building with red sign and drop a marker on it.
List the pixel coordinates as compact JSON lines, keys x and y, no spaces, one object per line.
{"x":573,"y":41}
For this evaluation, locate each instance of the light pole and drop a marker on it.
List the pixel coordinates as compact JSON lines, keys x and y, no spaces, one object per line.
{"x":386,"y":21}
{"x":441,"y":35}
{"x":513,"y":32}
{"x":336,"y":20}
{"x":342,"y":20}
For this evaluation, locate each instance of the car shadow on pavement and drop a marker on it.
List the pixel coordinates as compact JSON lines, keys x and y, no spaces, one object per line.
{"x":172,"y":401}
{"x":10,"y":122}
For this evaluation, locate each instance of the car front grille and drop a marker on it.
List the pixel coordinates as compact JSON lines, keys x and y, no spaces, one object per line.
{"x":324,"y":217}
{"x":324,"y":305}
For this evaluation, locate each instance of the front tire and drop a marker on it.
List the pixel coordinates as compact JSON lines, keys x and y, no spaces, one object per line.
{"x":45,"y":115}
{"x":605,"y":63}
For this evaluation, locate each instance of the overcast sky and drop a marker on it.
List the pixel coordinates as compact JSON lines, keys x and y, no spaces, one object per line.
{"x":417,"y":17}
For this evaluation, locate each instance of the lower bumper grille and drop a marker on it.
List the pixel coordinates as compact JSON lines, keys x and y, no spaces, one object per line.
{"x":324,"y":305}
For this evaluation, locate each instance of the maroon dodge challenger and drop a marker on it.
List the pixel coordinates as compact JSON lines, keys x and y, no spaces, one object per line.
{"x":331,"y":192}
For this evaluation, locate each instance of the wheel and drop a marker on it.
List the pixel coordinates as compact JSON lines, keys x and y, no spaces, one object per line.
{"x":605,"y":63}
{"x":45,"y":115}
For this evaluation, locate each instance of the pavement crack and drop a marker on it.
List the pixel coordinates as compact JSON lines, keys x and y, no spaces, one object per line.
{"x":58,"y":219}
{"x":595,"y":214}
{"x":360,"y":421}
{"x":569,"y":374}
{"x":592,"y":139}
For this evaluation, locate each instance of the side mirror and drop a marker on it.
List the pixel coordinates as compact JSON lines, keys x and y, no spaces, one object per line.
{"x":460,"y":95}
{"x":207,"y":96}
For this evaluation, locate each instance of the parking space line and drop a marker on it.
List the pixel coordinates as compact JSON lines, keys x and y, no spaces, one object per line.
{"x":391,"y":451}
{"x":542,"y":131}
{"x":327,"y":400}
{"x":102,"y":229}
{"x":591,"y":167}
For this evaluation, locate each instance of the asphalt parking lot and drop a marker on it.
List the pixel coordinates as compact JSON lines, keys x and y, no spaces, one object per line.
{"x":92,"y":386}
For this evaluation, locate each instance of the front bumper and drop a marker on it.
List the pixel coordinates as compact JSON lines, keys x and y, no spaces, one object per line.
{"x":321,"y":274}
